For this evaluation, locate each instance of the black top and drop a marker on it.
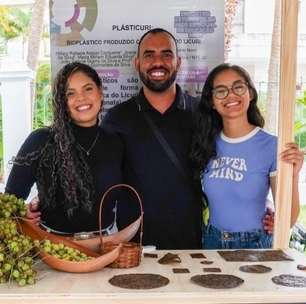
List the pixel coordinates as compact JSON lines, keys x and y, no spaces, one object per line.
{"x":172,"y":206}
{"x":104,"y":161}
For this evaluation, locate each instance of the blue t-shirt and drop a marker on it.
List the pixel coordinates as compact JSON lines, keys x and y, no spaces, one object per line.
{"x":237,"y":180}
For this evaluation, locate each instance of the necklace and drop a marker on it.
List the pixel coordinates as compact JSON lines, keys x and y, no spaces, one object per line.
{"x":91,"y":146}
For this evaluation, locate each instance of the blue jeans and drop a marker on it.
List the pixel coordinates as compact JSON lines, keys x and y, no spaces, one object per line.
{"x":214,"y":238}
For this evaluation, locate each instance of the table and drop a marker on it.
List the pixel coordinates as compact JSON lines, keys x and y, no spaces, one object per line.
{"x":92,"y":288}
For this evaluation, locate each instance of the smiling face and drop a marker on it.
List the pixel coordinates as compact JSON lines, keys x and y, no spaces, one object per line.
{"x":157,"y":62}
{"x":84,"y":99}
{"x":233,"y":105}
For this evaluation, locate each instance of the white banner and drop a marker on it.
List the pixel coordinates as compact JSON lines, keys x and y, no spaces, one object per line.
{"x":105,"y":33}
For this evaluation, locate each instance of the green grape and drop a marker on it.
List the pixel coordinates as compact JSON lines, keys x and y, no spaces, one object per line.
{"x":7,"y":267}
{"x":16,"y":250}
{"x":63,"y":252}
{"x":25,"y":267}
{"x":36,"y":243}
{"x":56,"y":247}
{"x":30,"y":280}
{"x":22,"y":282}
{"x":16,"y":274}
{"x":20,"y":264}
{"x":47,"y":249}
{"x":28,"y":260}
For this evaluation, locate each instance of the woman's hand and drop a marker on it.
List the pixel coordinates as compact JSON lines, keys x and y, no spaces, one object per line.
{"x":292,"y":155}
{"x":268,"y":221}
{"x":32,"y":210}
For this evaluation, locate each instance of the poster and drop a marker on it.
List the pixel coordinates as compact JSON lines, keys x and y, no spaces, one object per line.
{"x":105,"y":35}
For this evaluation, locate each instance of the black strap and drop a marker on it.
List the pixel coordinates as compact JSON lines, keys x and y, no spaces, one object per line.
{"x":163,"y":142}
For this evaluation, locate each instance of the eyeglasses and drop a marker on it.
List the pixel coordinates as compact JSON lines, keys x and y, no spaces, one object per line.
{"x":221,"y":92}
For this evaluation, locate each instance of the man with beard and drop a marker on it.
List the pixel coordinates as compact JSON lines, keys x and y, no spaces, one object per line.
{"x":171,"y":200}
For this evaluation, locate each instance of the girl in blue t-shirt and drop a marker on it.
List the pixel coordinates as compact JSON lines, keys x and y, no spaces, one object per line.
{"x":236,"y":160}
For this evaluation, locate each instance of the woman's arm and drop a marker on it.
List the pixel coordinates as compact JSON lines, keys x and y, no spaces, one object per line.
{"x":21,"y":178}
{"x":23,"y":174}
{"x":291,"y":155}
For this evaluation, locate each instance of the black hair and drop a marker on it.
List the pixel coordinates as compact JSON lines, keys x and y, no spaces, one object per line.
{"x":153,"y":31}
{"x":60,"y":163}
{"x":209,"y":122}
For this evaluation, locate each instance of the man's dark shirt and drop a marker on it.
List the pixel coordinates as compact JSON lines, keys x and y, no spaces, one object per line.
{"x":172,"y":205}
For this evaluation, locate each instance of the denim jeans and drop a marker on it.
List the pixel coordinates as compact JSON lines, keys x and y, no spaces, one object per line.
{"x":213,"y":238}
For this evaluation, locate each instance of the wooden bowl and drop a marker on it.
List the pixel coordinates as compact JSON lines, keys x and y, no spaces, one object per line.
{"x":96,"y":263}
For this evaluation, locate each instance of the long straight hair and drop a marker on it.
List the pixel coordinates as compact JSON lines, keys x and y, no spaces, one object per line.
{"x":209,"y":122}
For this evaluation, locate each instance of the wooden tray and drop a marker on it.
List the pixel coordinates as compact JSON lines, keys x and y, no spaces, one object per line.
{"x":96,"y":263}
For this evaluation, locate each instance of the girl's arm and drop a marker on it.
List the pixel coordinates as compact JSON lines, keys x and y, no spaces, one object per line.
{"x":291,"y":155}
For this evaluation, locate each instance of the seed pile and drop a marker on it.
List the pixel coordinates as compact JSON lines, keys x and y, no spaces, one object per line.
{"x":63,"y":252}
{"x":16,"y":249}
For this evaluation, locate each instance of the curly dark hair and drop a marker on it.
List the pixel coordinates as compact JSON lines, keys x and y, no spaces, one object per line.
{"x":60,"y":162}
{"x":209,"y":122}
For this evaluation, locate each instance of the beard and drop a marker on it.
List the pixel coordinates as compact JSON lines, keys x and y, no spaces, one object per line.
{"x":157,"y":86}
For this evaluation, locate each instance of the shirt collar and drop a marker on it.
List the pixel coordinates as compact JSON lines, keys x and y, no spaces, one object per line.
{"x":144,"y":105}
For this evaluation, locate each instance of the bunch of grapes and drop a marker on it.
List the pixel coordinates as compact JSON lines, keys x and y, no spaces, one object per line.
{"x":11,"y":206}
{"x":63,"y":252}
{"x":16,"y":249}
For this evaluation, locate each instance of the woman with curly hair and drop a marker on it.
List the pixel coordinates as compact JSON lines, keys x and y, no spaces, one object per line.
{"x":236,"y":160}
{"x":73,"y":161}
